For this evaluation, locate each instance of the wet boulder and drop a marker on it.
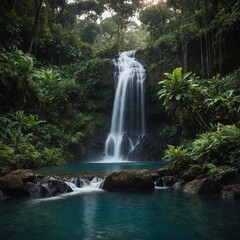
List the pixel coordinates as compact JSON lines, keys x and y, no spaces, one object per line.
{"x":129,"y":180}
{"x":147,"y":148}
{"x":35,"y":190}
{"x":166,"y":181}
{"x":177,"y":186}
{"x":125,"y":146}
{"x":110,"y":146}
{"x":26,"y":175}
{"x":191,"y":173}
{"x":202,"y":186}
{"x":58,"y":186}
{"x":11,"y":185}
{"x":231,"y":191}
{"x":162,"y":172}
{"x":159,"y":182}
{"x":155,"y":176}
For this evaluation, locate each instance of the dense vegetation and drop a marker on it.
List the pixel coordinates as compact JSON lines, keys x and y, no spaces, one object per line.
{"x":55,"y":72}
{"x":201,"y":108}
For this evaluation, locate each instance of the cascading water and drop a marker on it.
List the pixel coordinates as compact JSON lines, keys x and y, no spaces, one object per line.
{"x":128,"y":117}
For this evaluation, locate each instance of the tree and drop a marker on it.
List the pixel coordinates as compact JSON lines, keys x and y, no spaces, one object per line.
{"x":35,"y":27}
{"x":87,"y":30}
{"x":123,"y":10}
{"x":155,"y":17}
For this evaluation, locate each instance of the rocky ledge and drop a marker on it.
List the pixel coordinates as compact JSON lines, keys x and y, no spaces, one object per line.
{"x":193,"y":182}
{"x":26,"y":183}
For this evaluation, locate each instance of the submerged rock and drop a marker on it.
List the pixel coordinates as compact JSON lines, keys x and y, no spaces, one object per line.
{"x":129,"y":180}
{"x":202,"y":186}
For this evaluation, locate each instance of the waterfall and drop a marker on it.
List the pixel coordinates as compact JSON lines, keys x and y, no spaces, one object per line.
{"x":128,"y":117}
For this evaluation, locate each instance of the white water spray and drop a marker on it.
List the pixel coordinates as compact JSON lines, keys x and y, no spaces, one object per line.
{"x":128,"y":117}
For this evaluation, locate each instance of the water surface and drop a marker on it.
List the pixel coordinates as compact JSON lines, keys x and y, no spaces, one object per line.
{"x":161,"y":214}
{"x":90,"y":214}
{"x":100,"y":167}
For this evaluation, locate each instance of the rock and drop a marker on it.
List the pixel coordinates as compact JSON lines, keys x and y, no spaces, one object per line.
{"x":26,"y":175}
{"x":159,"y":182}
{"x":3,"y":196}
{"x":129,"y":180}
{"x":110,"y":146}
{"x":177,"y":186}
{"x":4,"y":171}
{"x":147,"y":149}
{"x":125,"y":146}
{"x":230,"y":178}
{"x":200,"y":176}
{"x":59,"y":186}
{"x":168,"y":181}
{"x":162,"y":172}
{"x":231,"y":191}
{"x":11,"y":184}
{"x":191,"y":173}
{"x":202,"y":186}
{"x":35,"y":190}
{"x":155,"y":176}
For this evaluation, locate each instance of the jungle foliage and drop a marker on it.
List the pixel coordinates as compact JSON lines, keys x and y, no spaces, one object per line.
{"x":191,"y":52}
{"x":55,"y":71}
{"x":47,"y":111}
{"x":190,"y":100}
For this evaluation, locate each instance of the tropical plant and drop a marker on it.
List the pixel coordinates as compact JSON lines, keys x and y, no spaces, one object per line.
{"x":15,"y":69}
{"x":178,"y":98}
{"x":219,"y":147}
{"x":179,"y":159}
{"x":222,"y":98}
{"x":21,"y":142}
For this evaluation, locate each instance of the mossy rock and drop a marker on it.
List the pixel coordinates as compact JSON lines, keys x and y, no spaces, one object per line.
{"x":191,"y":173}
{"x":129,"y":180}
{"x":11,"y":185}
{"x":162,"y":172}
{"x":202,"y":186}
{"x":231,"y":192}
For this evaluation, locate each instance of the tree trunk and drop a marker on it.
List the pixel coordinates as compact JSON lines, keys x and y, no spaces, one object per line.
{"x":202,"y":57}
{"x":184,"y":41}
{"x":35,"y":28}
{"x":184,"y":56}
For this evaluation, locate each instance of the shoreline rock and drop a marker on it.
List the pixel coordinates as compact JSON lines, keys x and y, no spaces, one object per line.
{"x":129,"y":180}
{"x":202,"y":186}
{"x":26,"y":183}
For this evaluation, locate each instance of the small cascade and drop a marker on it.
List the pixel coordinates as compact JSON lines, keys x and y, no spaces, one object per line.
{"x":128,"y":117}
{"x":83,"y":183}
